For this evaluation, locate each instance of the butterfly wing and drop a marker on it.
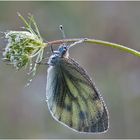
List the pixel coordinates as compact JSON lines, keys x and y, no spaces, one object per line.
{"x":73,"y":99}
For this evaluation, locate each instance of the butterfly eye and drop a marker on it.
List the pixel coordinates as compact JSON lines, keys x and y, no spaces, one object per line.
{"x":65,"y":47}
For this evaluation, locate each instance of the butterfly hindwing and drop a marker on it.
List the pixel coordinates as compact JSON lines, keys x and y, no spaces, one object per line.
{"x":73,"y":99}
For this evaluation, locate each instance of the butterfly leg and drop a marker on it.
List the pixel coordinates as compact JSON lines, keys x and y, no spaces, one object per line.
{"x":77,"y":42}
{"x":51,"y":48}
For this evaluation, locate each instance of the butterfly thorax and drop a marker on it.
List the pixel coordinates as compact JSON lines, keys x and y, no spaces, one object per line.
{"x":55,"y":58}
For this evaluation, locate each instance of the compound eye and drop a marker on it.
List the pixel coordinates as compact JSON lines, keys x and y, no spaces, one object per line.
{"x":65,"y":47}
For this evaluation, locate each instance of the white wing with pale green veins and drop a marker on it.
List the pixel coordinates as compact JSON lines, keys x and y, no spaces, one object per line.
{"x":73,"y":99}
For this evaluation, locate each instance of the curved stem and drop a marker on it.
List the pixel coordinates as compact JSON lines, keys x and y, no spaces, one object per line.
{"x":98,"y":42}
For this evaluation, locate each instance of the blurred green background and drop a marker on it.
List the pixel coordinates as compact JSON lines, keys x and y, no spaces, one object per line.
{"x":24,"y":112}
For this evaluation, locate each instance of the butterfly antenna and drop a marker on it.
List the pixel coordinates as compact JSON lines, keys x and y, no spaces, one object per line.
{"x":62,"y":31}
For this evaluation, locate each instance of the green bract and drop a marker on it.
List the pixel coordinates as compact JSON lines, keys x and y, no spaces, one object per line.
{"x":21,"y":47}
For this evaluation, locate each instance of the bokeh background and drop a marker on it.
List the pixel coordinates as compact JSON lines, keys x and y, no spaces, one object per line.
{"x":24,"y":112}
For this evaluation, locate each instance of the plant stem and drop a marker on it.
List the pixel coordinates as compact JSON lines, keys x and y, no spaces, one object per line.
{"x":98,"y":42}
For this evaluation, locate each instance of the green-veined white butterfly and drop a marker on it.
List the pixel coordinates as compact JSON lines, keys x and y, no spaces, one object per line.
{"x":72,"y":98}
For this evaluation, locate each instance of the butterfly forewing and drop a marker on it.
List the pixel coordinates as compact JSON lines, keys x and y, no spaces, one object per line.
{"x":73,"y":99}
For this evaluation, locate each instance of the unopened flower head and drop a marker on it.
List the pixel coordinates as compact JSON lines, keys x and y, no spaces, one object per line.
{"x":22,"y":45}
{"x":25,"y":48}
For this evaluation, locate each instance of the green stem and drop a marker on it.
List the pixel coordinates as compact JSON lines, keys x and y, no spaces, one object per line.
{"x":98,"y":42}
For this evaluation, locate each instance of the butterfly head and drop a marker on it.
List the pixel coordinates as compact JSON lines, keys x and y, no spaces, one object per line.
{"x":62,"y":52}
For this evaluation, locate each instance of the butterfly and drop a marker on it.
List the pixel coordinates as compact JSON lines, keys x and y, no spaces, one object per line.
{"x":72,"y":97}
